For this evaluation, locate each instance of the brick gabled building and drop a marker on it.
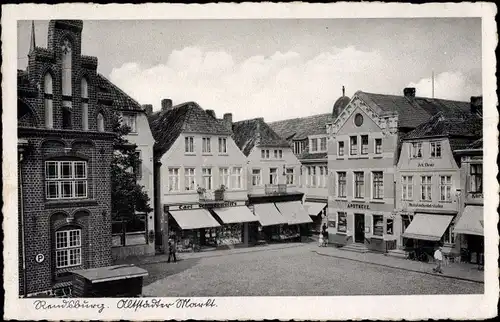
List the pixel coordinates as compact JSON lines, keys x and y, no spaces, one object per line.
{"x":65,"y":145}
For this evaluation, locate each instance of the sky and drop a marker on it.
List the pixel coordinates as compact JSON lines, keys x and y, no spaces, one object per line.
{"x":279,"y":68}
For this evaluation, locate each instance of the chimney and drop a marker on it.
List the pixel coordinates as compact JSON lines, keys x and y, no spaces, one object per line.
{"x":148,"y":108}
{"x":228,"y":120}
{"x":476,"y":105}
{"x":409,"y":92}
{"x":211,"y":113}
{"x":166,"y":104}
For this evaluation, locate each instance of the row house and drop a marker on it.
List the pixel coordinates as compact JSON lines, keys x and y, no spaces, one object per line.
{"x":308,"y":139}
{"x":273,"y":173}
{"x":65,"y":149}
{"x":200,"y":178}
{"x":363,"y":150}
{"x":428,"y":182}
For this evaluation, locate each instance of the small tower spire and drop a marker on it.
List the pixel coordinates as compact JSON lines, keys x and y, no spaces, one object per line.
{"x":32,"y":43}
{"x":343,"y":91}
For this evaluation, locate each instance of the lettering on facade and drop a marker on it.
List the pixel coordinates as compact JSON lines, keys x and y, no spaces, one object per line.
{"x":358,"y":206}
{"x":197,"y":206}
{"x":476,"y":195}
{"x":425,"y":165}
{"x":425,"y":205}
{"x":185,"y":207}
{"x":220,"y":205}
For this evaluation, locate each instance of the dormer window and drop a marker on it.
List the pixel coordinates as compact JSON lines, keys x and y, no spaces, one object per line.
{"x":322,"y":145}
{"x":416,"y":150}
{"x":314,"y":145}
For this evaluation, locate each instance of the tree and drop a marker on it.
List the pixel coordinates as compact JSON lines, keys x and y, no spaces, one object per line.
{"x":127,"y":196}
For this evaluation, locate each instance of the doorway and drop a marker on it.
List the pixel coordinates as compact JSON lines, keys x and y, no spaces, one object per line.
{"x":359,"y":228}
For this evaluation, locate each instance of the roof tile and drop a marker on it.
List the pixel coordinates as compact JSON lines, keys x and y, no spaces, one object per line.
{"x":255,"y":132}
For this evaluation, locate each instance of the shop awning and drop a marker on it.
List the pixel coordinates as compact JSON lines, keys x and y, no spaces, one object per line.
{"x":231,"y":215}
{"x":194,"y":219}
{"x":294,"y":212}
{"x":428,"y":227}
{"x":314,"y":208}
{"x":268,"y":214}
{"x":470,"y":221}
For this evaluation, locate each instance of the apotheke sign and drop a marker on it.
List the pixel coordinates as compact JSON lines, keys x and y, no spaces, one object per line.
{"x":358,"y":206}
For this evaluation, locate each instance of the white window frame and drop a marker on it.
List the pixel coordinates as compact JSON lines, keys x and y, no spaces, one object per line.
{"x":273,"y":176}
{"x":314,"y":145}
{"x":207,"y":178}
{"x":206,"y":145}
{"x":256,"y":177}
{"x":407,"y":187}
{"x":351,"y":149}
{"x":236,"y":178}
{"x":189,"y":144}
{"x":445,"y":186}
{"x":321,"y":147}
{"x":297,"y":147}
{"x":415,"y":150}
{"x":339,"y":213}
{"x":377,"y":148}
{"x":435,"y":147}
{"x":72,"y":180}
{"x":173,"y":179}
{"x":425,"y":187}
{"x":290,"y":176}
{"x":476,"y":177}
{"x":374,"y":224}
{"x":222,"y":145}
{"x":381,"y":196}
{"x":341,"y":152}
{"x":130,"y":120}
{"x":224,"y":177}
{"x":355,"y":184}
{"x":190,"y":179}
{"x":68,"y":249}
{"x":344,"y":181}
{"x":364,"y":147}
{"x":280,"y":154}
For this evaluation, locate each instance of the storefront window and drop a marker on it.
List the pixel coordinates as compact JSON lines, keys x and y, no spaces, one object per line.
{"x":342,"y":222}
{"x":378,"y":225}
{"x":229,"y":234}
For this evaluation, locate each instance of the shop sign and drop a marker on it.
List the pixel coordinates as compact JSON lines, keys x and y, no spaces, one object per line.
{"x":358,"y":206}
{"x":39,"y":258}
{"x":425,"y":205}
{"x":220,"y":205}
{"x":425,"y":165}
{"x":476,"y":195}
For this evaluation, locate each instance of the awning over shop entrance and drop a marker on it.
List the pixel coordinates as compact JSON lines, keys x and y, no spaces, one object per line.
{"x":268,"y":214}
{"x":428,"y":227}
{"x":294,"y":212}
{"x":231,"y":215}
{"x":314,"y":208}
{"x":470,"y":221}
{"x":194,"y":219}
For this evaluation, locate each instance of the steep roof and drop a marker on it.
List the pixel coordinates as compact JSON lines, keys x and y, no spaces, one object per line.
{"x":189,"y":117}
{"x":467,"y":126}
{"x":302,"y":127}
{"x":255,"y":132}
{"x":478,"y":144}
{"x":120,"y":100}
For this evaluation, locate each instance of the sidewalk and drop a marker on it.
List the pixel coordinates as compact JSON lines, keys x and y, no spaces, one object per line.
{"x":162,"y":258}
{"x":462,"y":271}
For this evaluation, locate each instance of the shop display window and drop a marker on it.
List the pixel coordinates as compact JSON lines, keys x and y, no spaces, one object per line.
{"x":342,"y":222}
{"x":229,"y":234}
{"x":378,"y":225}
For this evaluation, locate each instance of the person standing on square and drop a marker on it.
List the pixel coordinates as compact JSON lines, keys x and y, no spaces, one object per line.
{"x":438,"y":257}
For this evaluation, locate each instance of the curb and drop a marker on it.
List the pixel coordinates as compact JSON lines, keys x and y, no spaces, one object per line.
{"x":219,"y":255}
{"x":401,"y":268}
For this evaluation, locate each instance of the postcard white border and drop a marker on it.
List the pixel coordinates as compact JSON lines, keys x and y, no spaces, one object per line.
{"x":255,"y":308}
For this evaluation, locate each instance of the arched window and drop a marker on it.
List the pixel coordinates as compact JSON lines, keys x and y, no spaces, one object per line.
{"x":85,"y":104}
{"x":66,"y":67}
{"x":100,"y":122}
{"x":47,"y":94}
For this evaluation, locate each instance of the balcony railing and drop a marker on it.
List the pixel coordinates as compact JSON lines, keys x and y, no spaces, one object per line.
{"x":275,"y":189}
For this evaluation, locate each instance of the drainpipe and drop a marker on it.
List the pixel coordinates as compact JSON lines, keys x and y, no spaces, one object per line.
{"x":25,"y":291}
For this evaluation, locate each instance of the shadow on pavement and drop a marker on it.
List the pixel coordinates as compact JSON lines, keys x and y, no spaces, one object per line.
{"x":157,"y":271}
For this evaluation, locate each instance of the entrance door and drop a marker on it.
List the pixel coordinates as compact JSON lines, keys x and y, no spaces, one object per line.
{"x":359,"y":228}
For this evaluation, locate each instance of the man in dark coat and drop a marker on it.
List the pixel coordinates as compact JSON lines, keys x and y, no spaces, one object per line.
{"x":171,"y":251}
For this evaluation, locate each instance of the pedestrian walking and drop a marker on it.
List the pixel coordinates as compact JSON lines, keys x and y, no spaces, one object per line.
{"x":171,"y":251}
{"x":438,"y":257}
{"x":325,"y":235}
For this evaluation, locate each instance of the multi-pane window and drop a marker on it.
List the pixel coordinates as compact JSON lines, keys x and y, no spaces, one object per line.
{"x":353,"y":148}
{"x":48,"y":99}
{"x":341,"y":184}
{"x":378,"y":184}
{"x":68,"y":248}
{"x":359,"y":185}
{"x":206,"y":146}
{"x":476,"y":178}
{"x":426,"y":187}
{"x":364,"y":144}
{"x":65,"y":179}
{"x":189,"y":144}
{"x":342,"y":222}
{"x":290,"y":175}
{"x":314,"y":145}
{"x":341,"y":148}
{"x":435,"y":149}
{"x":322,"y":176}
{"x":378,"y":225}
{"x":189,"y":179}
{"x":298,"y":146}
{"x":322,"y":144}
{"x":264,"y":154}
{"x":224,"y":177}
{"x":416,"y":150}
{"x":173,"y":179}
{"x":311,"y":171}
{"x":207,"y":178}
{"x":256,"y":177}
{"x":407,"y":187}
{"x":449,"y":236}
{"x":445,"y":188}
{"x":273,"y":176}
{"x":278,"y":154}
{"x":85,"y":104}
{"x":130,"y":121}
{"x":222,"y":145}
{"x":236,"y":178}
{"x":378,"y":146}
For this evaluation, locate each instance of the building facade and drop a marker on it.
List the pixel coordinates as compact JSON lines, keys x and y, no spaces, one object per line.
{"x":200,"y":177}
{"x":65,"y":150}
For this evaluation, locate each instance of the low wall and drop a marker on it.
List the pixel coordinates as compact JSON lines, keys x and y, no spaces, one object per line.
{"x":133,"y":250}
